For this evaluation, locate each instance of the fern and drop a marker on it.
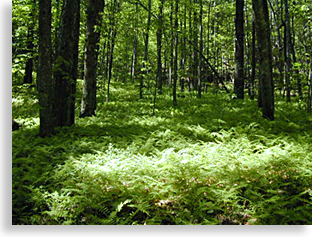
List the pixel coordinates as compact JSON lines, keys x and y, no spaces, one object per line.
{"x":208,"y":161}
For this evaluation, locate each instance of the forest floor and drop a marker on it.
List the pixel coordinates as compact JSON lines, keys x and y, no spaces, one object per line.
{"x":207,"y":161}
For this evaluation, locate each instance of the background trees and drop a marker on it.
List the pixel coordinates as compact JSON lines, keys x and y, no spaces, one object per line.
{"x":199,"y":44}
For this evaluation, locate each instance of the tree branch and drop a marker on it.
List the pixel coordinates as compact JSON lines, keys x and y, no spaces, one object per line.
{"x":211,"y":67}
{"x":142,"y":5}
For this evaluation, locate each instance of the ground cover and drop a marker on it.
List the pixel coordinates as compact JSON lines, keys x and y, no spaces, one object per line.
{"x":213,"y":160}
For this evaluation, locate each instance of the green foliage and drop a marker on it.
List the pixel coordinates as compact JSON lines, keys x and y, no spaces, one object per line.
{"x":208,"y":161}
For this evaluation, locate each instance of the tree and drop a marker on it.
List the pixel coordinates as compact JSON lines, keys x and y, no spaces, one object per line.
{"x":113,"y":34}
{"x":28,"y":78}
{"x":260,"y":9}
{"x":287,"y":48}
{"x":309,"y":104}
{"x":239,"y":50}
{"x":201,"y":49}
{"x":88,"y":102}
{"x":159,"y":35}
{"x":146,"y":42}
{"x":67,"y":63}
{"x":45,"y":80}
{"x":175,"y":73}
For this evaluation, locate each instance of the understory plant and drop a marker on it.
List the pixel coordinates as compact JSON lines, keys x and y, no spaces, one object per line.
{"x":205,"y":162}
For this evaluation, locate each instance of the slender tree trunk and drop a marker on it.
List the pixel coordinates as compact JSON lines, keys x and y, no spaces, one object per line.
{"x":175,"y":74}
{"x":45,"y":80}
{"x":201,"y":49}
{"x":287,"y":51}
{"x":260,"y":9}
{"x":171,"y":44}
{"x":253,"y":61}
{"x":146,"y":42}
{"x":88,"y":101}
{"x":184,"y":53}
{"x":279,"y":46}
{"x":195,"y":44}
{"x":309,"y":104}
{"x":113,"y":33}
{"x":67,"y":63}
{"x":296,"y":70}
{"x":30,"y":50}
{"x":239,"y":50}
{"x":159,"y":47}
{"x":134,"y":46}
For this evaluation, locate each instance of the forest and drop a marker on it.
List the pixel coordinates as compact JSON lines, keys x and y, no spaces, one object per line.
{"x":163,"y":112}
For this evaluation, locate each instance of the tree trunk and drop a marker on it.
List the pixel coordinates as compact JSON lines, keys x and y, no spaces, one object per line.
{"x":175,"y":73}
{"x":253,"y":61}
{"x":146,"y":42}
{"x":195,"y":45}
{"x":309,"y":104}
{"x":45,"y":79}
{"x":296,"y":70}
{"x":134,"y":46}
{"x":67,"y":63}
{"x":201,"y":49}
{"x":113,"y":34}
{"x":287,"y":51}
{"x":30,"y":46}
{"x":159,"y":47}
{"x":239,"y":50}
{"x":88,"y":101}
{"x":260,"y":9}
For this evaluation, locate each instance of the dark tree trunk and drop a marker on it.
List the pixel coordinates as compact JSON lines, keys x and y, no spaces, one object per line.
{"x":309,"y":104}
{"x":239,"y":50}
{"x":45,"y":79}
{"x":15,"y":125}
{"x":30,"y":48}
{"x":260,"y":8}
{"x":88,"y":102}
{"x":253,"y":62}
{"x":67,"y":63}
{"x":28,"y":78}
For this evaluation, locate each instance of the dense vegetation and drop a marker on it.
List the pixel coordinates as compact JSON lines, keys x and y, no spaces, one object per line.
{"x":208,"y":161}
{"x":141,"y":112}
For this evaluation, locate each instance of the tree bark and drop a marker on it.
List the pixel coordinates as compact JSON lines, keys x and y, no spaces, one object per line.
{"x":309,"y":104}
{"x":159,"y":47}
{"x":45,"y":80}
{"x":239,"y":50}
{"x":201,"y":49}
{"x":195,"y":45}
{"x":67,"y":63}
{"x":113,"y":33}
{"x":287,"y":49}
{"x":146,"y":42}
{"x":175,"y":73}
{"x":260,"y":9}
{"x":88,"y":101}
{"x":253,"y":61}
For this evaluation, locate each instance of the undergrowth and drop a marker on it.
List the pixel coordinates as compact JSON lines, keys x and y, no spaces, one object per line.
{"x":208,"y":161}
